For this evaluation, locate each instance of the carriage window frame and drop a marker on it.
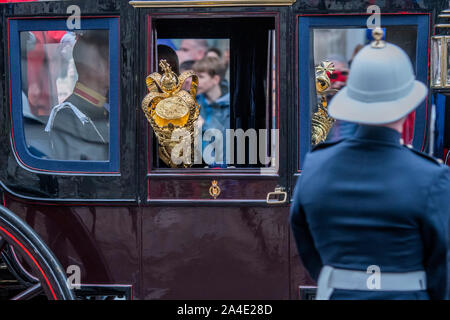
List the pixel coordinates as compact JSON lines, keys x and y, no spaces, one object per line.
{"x":20,"y":149}
{"x":151,"y":36}
{"x":305,"y":76}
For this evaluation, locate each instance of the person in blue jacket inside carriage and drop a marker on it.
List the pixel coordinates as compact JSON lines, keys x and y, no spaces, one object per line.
{"x":370,"y":216}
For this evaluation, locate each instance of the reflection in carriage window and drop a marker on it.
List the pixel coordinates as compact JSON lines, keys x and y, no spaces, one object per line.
{"x":65,"y":84}
{"x":340,"y":46}
{"x":235,"y":66}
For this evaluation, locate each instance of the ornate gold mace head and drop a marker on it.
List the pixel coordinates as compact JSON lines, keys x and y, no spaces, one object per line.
{"x":323,"y":82}
{"x":168,"y":107}
{"x":321,"y":121}
{"x":169,"y":79}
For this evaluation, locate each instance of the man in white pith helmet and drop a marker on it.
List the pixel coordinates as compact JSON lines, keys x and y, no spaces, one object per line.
{"x":370,"y":216}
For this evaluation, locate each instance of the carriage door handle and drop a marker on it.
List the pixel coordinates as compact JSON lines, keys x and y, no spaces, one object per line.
{"x":277,"y":197}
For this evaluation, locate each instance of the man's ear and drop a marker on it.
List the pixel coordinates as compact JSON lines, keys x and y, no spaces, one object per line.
{"x":216,"y":79}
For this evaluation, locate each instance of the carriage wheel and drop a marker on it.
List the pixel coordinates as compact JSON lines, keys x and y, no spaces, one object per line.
{"x":46,"y":276}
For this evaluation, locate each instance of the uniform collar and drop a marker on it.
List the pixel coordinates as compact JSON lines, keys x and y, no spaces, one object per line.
{"x":89,"y":95}
{"x":378,"y":133}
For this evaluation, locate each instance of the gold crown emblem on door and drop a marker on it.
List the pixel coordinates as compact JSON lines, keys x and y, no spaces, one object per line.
{"x":214,"y":190}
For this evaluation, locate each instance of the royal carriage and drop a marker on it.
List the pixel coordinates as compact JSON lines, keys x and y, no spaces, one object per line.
{"x":129,"y":224}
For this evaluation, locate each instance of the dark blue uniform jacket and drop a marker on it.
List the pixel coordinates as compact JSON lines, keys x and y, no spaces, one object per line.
{"x":368,"y":200}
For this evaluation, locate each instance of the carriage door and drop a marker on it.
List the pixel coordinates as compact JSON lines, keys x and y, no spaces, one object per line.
{"x":223,"y":218}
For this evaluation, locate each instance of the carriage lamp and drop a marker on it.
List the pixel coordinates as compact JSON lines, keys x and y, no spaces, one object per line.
{"x":440,"y":75}
{"x":440,"y":46}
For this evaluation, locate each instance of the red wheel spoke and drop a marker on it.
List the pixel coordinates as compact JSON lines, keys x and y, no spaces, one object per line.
{"x":29,"y":293}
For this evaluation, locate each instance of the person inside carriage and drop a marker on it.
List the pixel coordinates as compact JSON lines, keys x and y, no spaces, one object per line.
{"x":79,"y":127}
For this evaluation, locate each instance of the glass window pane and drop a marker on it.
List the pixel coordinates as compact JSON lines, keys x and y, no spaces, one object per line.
{"x":340,"y":46}
{"x":65,"y":88}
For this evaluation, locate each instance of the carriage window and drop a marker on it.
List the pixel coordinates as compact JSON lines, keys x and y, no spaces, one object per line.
{"x":235,"y":66}
{"x":340,"y":46}
{"x":65,"y":94}
{"x":65,"y":83}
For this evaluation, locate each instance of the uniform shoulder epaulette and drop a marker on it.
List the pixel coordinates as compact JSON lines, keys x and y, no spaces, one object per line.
{"x":424,"y":155}
{"x":324,"y":145}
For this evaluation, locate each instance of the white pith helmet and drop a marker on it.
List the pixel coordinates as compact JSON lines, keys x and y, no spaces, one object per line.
{"x":381,"y":86}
